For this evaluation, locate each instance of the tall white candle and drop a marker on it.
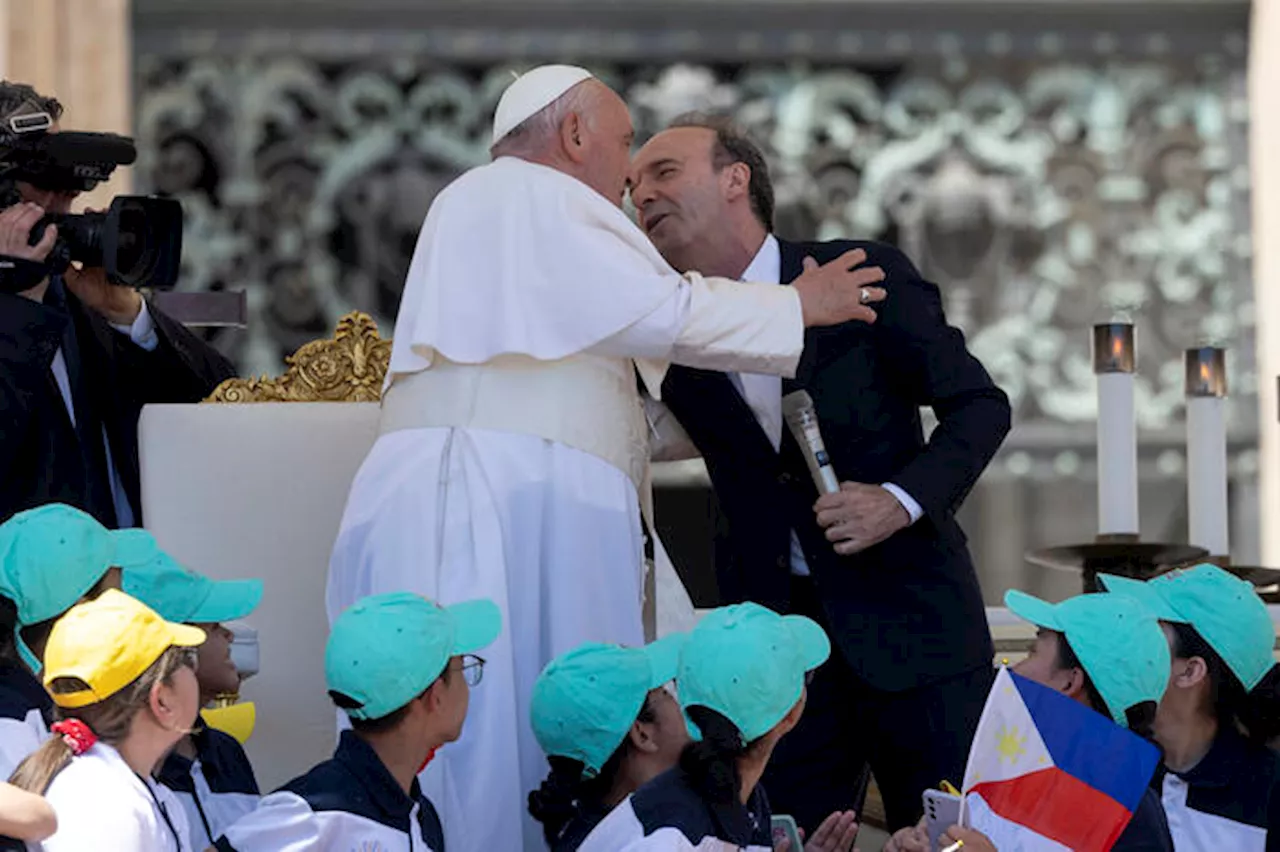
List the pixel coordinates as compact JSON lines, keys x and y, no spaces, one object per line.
{"x":1117,"y":455}
{"x":1113,"y":362}
{"x":1207,"y":450}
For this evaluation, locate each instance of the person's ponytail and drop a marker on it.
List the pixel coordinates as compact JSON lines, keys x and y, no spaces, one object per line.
{"x":38,"y":769}
{"x":568,"y":791}
{"x":555,"y":802}
{"x":711,"y":764}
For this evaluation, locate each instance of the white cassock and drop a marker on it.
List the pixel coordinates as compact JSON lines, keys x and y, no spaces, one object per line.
{"x":514,"y":449}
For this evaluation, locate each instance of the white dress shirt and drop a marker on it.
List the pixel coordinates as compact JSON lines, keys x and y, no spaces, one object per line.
{"x":763,"y":394}
{"x":143,"y":333}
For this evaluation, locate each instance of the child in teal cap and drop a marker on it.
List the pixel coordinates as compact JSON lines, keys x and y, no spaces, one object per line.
{"x":1220,"y":710}
{"x":741,"y":682}
{"x":1109,"y":654}
{"x":208,"y":770}
{"x":51,"y":558}
{"x":607,"y":726}
{"x":401,"y":668}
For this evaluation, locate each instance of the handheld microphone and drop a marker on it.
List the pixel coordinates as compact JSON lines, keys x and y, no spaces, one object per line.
{"x":801,"y":417}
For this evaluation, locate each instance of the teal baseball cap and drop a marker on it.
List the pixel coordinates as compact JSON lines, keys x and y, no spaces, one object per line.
{"x":50,"y":557}
{"x":184,"y":596}
{"x":1117,"y":640}
{"x":586,"y":700}
{"x":135,"y":548}
{"x":385,"y":650}
{"x":1224,"y":609}
{"x":748,"y":664}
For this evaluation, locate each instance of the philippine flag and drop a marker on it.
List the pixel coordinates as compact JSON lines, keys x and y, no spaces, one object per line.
{"x":1047,"y":773}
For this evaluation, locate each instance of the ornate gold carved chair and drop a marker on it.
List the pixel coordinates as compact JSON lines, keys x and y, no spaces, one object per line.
{"x":349,"y":367}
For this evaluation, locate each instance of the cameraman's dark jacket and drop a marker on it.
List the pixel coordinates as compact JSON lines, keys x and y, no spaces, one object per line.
{"x":42,"y":455}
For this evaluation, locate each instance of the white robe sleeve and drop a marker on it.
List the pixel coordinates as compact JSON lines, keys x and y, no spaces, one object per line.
{"x":718,"y":324}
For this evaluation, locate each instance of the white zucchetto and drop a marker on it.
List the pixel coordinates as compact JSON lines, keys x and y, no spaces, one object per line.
{"x":533,"y":92}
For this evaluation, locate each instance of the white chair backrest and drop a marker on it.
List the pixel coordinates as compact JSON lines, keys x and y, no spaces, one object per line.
{"x":257,"y":490}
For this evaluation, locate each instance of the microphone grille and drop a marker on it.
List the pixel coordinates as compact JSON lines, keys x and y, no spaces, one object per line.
{"x":796,"y":402}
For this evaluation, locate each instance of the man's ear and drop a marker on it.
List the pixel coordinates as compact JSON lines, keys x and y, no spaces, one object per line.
{"x":735,"y":180}
{"x":433,"y":698}
{"x":571,"y":137}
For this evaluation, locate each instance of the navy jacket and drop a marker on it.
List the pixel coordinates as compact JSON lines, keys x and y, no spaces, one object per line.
{"x":669,"y":810}
{"x":907,"y":611}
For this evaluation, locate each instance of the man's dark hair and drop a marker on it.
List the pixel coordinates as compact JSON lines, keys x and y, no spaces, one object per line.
{"x":733,"y":145}
{"x":14,"y":95}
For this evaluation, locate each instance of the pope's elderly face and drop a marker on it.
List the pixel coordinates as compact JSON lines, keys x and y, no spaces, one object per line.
{"x":610,"y":134}
{"x":676,"y":189}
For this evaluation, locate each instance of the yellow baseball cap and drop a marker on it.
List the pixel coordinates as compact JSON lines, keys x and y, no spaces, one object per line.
{"x":108,"y":643}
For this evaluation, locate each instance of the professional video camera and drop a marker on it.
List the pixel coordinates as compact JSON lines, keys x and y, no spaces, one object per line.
{"x":138,"y":240}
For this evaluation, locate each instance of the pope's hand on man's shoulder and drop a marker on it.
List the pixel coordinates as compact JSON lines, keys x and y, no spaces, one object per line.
{"x":839,"y":290}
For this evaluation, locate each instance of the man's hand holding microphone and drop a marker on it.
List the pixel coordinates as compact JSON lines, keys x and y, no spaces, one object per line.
{"x":855,"y":516}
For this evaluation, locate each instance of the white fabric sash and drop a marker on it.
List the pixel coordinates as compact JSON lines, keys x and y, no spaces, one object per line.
{"x":586,"y":402}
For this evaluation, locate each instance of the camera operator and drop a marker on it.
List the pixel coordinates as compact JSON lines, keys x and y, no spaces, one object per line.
{"x":79,"y":355}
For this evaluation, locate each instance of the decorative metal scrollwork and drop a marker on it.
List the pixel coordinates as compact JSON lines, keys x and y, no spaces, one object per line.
{"x":1041,"y":197}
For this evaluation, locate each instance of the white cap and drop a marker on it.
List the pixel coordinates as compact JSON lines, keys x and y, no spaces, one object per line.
{"x":533,"y":92}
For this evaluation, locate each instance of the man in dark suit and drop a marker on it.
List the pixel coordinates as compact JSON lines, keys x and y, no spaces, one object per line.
{"x":882,"y":564}
{"x":79,"y":357}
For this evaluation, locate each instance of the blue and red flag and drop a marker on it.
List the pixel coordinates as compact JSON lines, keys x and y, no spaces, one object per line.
{"x":1047,"y":773}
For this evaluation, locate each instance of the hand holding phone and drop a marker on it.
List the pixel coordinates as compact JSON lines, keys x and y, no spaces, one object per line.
{"x":786,"y":830}
{"x":941,"y":811}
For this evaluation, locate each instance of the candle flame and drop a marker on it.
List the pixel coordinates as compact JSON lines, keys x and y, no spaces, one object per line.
{"x":1117,"y":347}
{"x":1206,"y":374}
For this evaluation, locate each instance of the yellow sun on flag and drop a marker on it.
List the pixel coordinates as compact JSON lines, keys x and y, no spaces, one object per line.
{"x":1009,"y":744}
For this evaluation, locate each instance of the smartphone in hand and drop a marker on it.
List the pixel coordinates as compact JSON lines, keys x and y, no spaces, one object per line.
{"x":785,"y":828}
{"x":941,"y":811}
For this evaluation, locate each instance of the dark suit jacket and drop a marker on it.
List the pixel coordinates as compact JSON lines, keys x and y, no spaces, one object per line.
{"x":907,"y":611}
{"x":42,"y":457}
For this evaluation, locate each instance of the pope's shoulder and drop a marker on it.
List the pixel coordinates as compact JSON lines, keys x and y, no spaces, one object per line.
{"x":498,"y":180}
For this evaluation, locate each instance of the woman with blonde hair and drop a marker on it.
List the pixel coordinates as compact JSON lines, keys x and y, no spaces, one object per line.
{"x":124,"y":684}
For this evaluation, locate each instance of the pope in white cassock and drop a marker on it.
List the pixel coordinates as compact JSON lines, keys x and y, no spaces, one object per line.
{"x":512,"y":457}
